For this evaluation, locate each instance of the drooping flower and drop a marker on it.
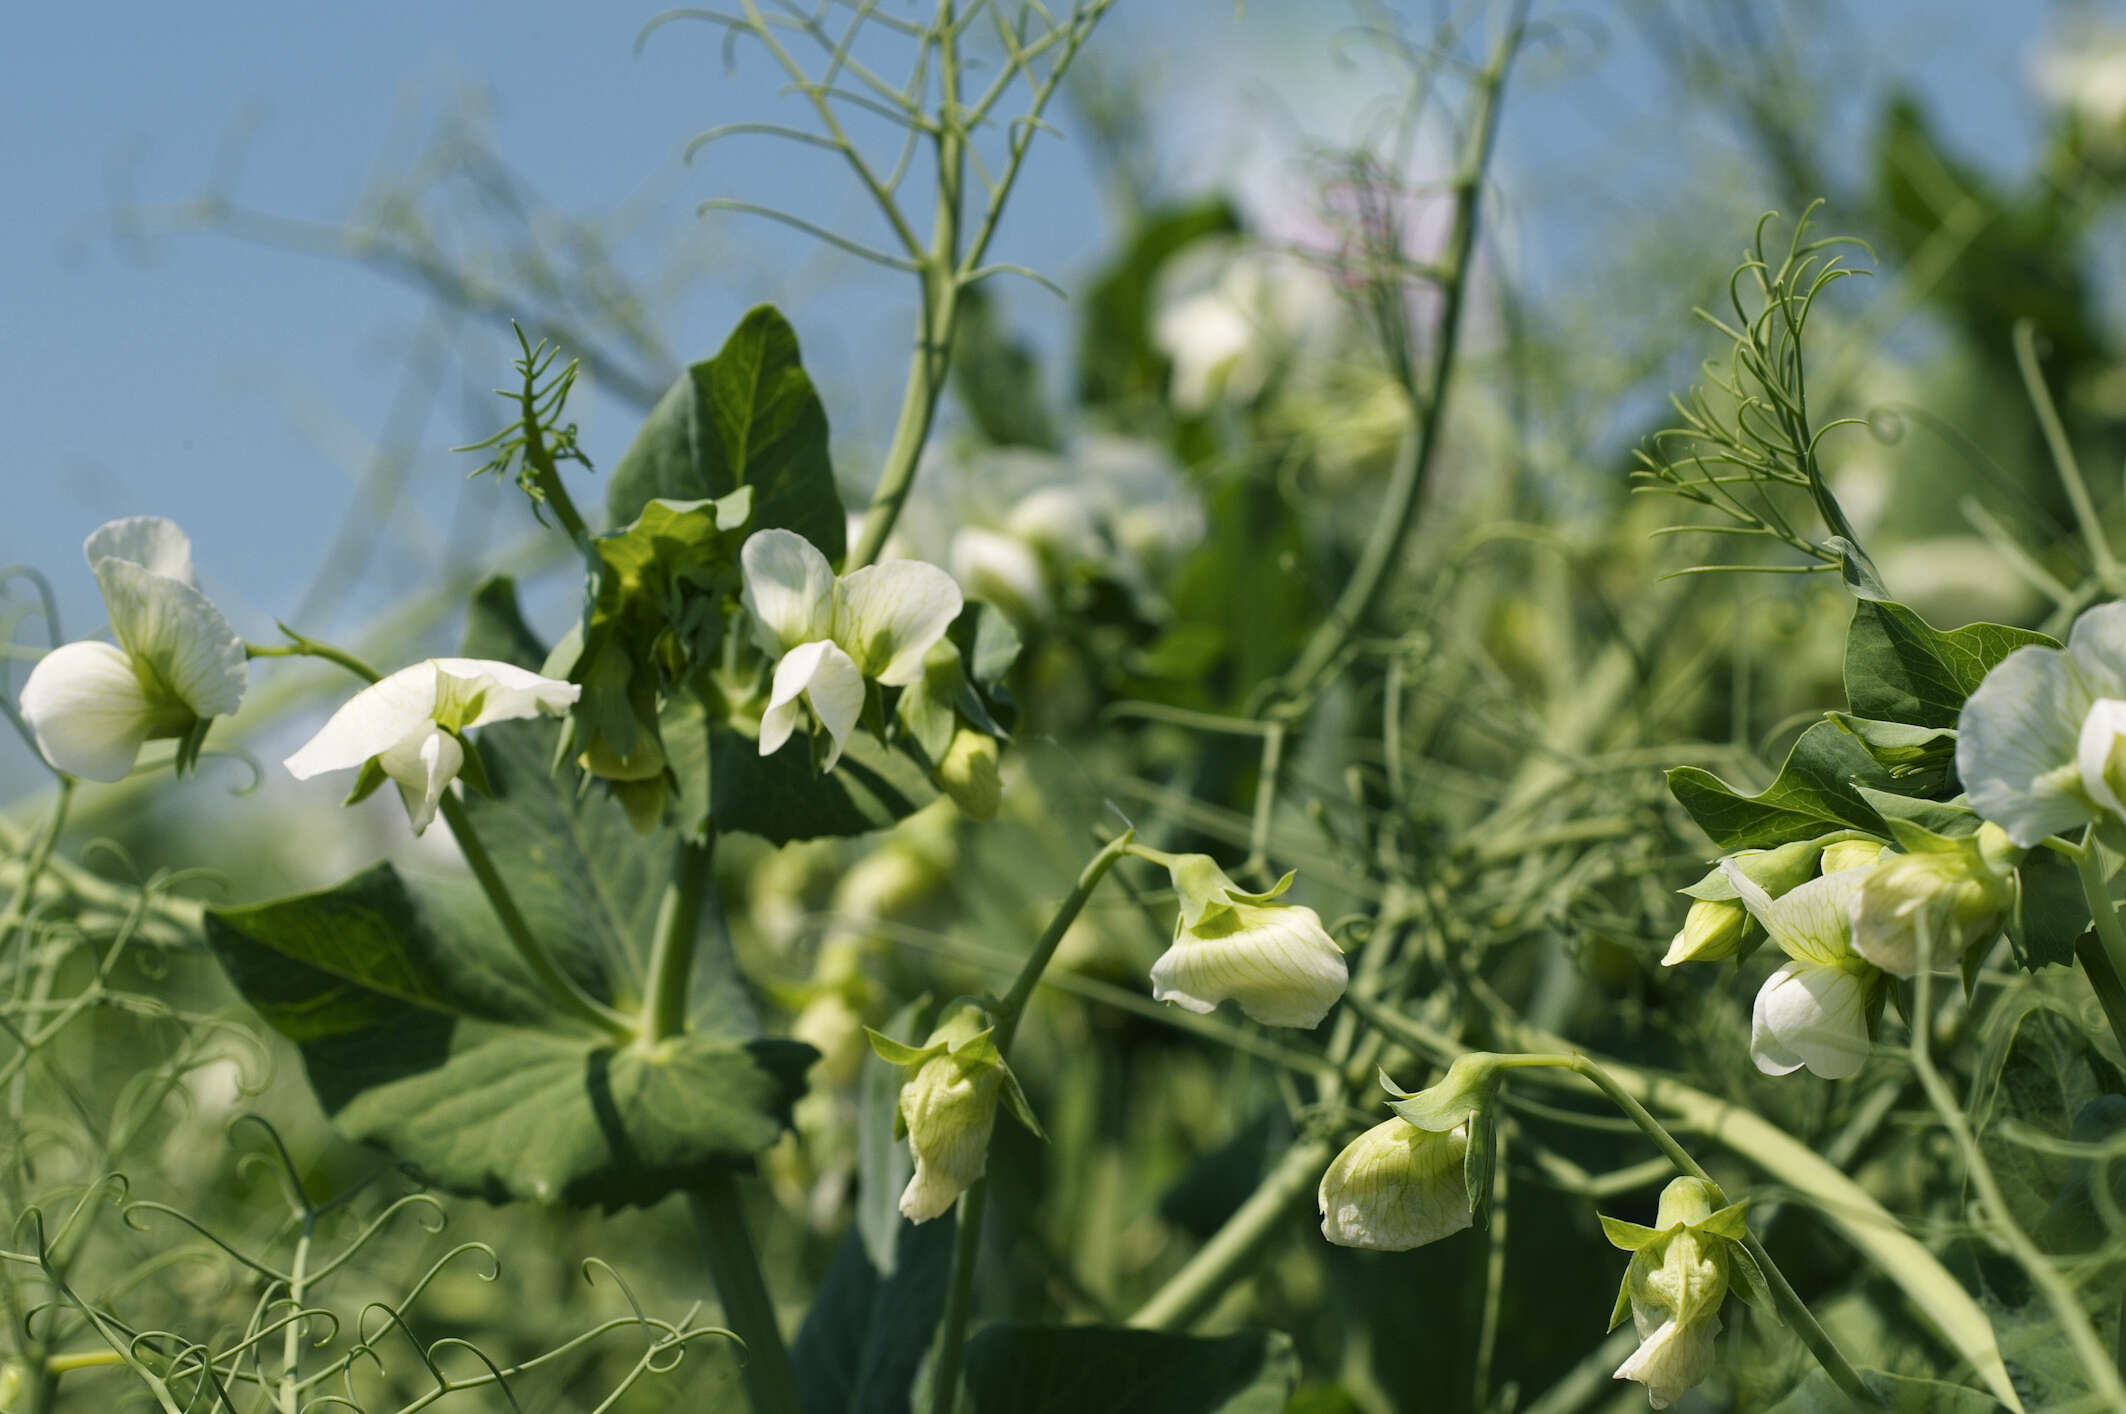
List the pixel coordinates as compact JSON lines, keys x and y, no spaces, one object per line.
{"x":409,"y":727}
{"x":1674,"y":1286}
{"x":176,"y":665}
{"x":831,"y":634}
{"x":2039,"y":743}
{"x":1957,"y":890}
{"x":948,"y":1107}
{"x":1274,"y":959}
{"x":1813,"y":1011}
{"x":1395,"y":1187}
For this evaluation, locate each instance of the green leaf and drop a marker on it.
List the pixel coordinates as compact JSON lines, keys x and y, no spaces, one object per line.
{"x":2051,"y":911}
{"x":1899,"y":669}
{"x":1921,"y":759}
{"x":783,"y":797}
{"x":1945,"y":818}
{"x":866,"y":1330}
{"x":1116,"y":360}
{"x":1024,"y":1369}
{"x":423,"y":1035}
{"x":1817,"y":790}
{"x":747,"y":417}
{"x":996,"y":378}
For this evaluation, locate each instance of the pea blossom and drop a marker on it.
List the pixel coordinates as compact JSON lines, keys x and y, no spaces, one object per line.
{"x":1395,"y":1187}
{"x":1813,"y":1011}
{"x":409,"y":727}
{"x":1274,"y":959}
{"x":176,"y":665}
{"x":830,"y":634}
{"x":2041,"y":743}
{"x":1674,"y":1286}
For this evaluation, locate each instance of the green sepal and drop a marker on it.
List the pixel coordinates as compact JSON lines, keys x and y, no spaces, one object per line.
{"x":1204,"y":890}
{"x":1015,"y":1101}
{"x":1626,"y":1237}
{"x":1730,"y":1222}
{"x":366,"y":782}
{"x":1462,"y":1094}
{"x":1477,"y":1163}
{"x":188,"y":745}
{"x":899,"y":1052}
{"x":1618,"y":1312}
{"x":472,"y":771}
{"x":1746,"y":1280}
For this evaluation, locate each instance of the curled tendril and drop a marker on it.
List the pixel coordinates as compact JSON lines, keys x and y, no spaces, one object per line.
{"x":47,"y":600}
{"x":132,"y":1214}
{"x":493,"y":1370}
{"x":292,"y":1188}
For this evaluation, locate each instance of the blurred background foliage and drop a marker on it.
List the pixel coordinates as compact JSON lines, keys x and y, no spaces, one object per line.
{"x":1165,"y":481}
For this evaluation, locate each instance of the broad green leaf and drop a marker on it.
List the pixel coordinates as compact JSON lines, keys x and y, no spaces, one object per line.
{"x":866,"y":1330}
{"x":1947,"y":818}
{"x":2051,"y":911}
{"x":783,"y":797}
{"x":1816,"y":791}
{"x":996,"y":378}
{"x":747,"y":417}
{"x":1019,"y":1369}
{"x":423,"y":1035}
{"x":2036,"y":1072}
{"x":1922,"y":760}
{"x":1116,"y":360}
{"x":1899,"y":669}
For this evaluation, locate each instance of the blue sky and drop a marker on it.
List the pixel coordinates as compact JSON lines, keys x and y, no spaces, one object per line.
{"x":239,"y":390}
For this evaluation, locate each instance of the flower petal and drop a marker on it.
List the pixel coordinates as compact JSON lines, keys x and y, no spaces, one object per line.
{"x":1810,"y":922}
{"x":509,"y":692}
{"x":1002,"y":569}
{"x":176,"y":635}
{"x":398,"y":708}
{"x":423,"y":766}
{"x":2099,"y":737}
{"x":789,"y":589}
{"x":2016,"y":741}
{"x":1396,"y":1187}
{"x":887,"y":616}
{"x":154,"y":544}
{"x":2097,"y":648}
{"x":1813,"y":1016}
{"x":85,"y":704}
{"x":1675,"y":1357}
{"x":826,"y":678}
{"x":1275,"y":960}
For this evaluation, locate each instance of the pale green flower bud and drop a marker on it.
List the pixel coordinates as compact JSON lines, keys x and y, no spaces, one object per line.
{"x":1711,"y":931}
{"x":948,"y":1107}
{"x":1851,"y":854}
{"x":969,"y":773}
{"x":1275,"y":960}
{"x":1395,"y":1187}
{"x":1958,"y":891}
{"x":1673,"y":1288}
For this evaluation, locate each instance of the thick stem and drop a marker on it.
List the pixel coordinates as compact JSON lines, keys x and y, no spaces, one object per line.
{"x":967,"y":1241}
{"x":289,"y":1393}
{"x":1191,"y":1292}
{"x":560,"y":988}
{"x":664,"y":1007}
{"x":2104,"y":963}
{"x":771,"y":1383}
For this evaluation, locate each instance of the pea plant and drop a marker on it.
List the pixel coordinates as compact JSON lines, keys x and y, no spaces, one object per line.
{"x":1169,"y":903}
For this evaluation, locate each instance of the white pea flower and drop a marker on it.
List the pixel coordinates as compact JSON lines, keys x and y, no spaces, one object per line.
{"x":1227,"y":320}
{"x":830,"y":634}
{"x":1674,"y":1286}
{"x":1813,"y":1011}
{"x":1958,"y":892}
{"x":2041,"y":744}
{"x":1274,"y":959}
{"x":1395,"y":1187}
{"x":407,"y":727}
{"x":1002,"y":569}
{"x":176,"y":664}
{"x":948,"y":1102}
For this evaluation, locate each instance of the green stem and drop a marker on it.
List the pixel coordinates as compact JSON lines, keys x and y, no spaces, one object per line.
{"x":678,"y":928}
{"x":967,"y":1239}
{"x":18,"y":907}
{"x":2063,"y":459}
{"x":292,"y":1334}
{"x":1426,"y":406}
{"x":2103,"y":961}
{"x":940,"y":275}
{"x":301,"y":647}
{"x":1191,"y":1292}
{"x":771,"y":1383}
{"x":560,"y":988}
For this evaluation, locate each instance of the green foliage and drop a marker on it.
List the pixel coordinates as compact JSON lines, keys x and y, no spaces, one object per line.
{"x":1817,"y":790}
{"x":747,"y":417}
{"x":865,"y":1333}
{"x":1900,"y":669}
{"x":1015,"y":1369}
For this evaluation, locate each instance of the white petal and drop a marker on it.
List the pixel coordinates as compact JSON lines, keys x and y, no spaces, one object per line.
{"x":1812,"y":1016}
{"x":826,"y":678}
{"x":510,"y":692}
{"x":398,"y":709}
{"x":1396,"y":1187}
{"x":789,"y":588}
{"x":176,"y":634}
{"x":1058,"y":519}
{"x":889,"y":615}
{"x":423,"y":767}
{"x":86,"y":706}
{"x":2100,"y":733}
{"x":1276,"y":961}
{"x":1672,"y":1359}
{"x":154,"y":544}
{"x":2016,"y":741}
{"x":1810,"y":922}
{"x":1001,"y":569}
{"x":2097,"y":647}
